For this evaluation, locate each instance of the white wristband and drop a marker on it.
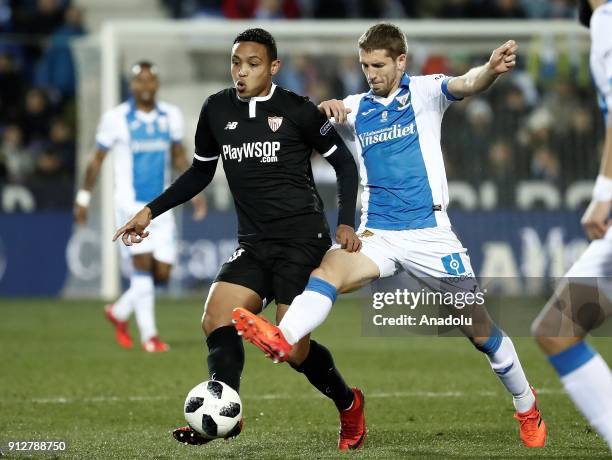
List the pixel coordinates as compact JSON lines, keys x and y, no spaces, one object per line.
{"x":603,"y":189}
{"x":83,"y":198}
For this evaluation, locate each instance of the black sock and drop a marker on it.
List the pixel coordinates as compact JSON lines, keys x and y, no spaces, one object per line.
{"x":225,"y":356}
{"x":321,"y":372}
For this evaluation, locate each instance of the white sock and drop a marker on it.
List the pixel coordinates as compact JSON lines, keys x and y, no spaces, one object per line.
{"x":124,"y":306}
{"x":589,"y":385}
{"x":307,"y":311}
{"x":507,"y":366}
{"x":144,"y":301}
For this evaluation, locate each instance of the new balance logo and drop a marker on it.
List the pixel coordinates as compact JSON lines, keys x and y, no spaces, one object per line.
{"x":231,"y":125}
{"x":237,"y":253}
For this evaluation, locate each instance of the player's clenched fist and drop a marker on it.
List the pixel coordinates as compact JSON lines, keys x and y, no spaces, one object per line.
{"x":347,"y":238}
{"x":134,"y":231}
{"x":596,"y":219}
{"x":335,"y":109}
{"x":503,"y":58}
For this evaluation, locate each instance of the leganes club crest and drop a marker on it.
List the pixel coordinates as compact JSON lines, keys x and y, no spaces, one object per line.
{"x":275,"y":123}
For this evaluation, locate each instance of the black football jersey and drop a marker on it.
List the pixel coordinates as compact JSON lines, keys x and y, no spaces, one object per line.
{"x":265,"y":144}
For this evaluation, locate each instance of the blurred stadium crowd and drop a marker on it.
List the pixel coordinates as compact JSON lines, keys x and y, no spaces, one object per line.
{"x":540,"y":124}
{"x":390,"y":9}
{"x":37,"y":109}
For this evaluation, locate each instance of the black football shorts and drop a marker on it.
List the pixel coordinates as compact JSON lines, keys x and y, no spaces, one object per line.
{"x":275,"y":269}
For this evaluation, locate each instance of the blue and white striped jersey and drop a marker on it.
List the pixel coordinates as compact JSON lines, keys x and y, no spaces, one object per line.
{"x":397,"y":142}
{"x":141,"y":148}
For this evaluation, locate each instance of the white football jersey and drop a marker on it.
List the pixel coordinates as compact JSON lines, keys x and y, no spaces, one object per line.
{"x":140,"y":144}
{"x":397,"y":142}
{"x":601,"y":55}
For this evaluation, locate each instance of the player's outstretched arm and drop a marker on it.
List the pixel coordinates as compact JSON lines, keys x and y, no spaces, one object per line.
{"x":479,"y":79}
{"x":83,"y":197}
{"x":134,"y":231}
{"x":185,"y":187}
{"x":596,"y":219}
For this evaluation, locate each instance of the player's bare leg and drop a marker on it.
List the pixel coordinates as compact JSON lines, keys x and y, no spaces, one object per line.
{"x":161,"y":272}
{"x":225,"y":348}
{"x":560,"y":330}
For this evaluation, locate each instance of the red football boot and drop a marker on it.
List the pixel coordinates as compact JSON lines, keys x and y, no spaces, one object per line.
{"x":121,"y":333}
{"x":154,"y":345}
{"x":353,"y":429}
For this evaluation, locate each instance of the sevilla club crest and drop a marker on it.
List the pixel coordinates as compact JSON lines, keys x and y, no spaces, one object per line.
{"x":275,"y":123}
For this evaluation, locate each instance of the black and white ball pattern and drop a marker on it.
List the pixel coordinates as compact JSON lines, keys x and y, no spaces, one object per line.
{"x":213,"y":409}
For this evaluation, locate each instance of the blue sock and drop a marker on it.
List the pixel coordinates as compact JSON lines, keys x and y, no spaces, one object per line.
{"x":572,"y":358}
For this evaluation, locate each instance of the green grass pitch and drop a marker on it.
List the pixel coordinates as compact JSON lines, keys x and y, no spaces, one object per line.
{"x":63,"y":377}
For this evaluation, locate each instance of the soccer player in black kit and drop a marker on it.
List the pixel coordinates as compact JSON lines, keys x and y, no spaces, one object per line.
{"x":264,"y":135}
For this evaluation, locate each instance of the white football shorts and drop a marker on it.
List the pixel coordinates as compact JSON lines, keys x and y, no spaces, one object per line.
{"x":596,"y":261}
{"x":594,"y":266}
{"x":429,"y":255}
{"x":161,"y":241}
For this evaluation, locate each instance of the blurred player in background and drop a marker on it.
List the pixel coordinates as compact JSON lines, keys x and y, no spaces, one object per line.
{"x":145,"y":137}
{"x":265,"y":136}
{"x":583,"y":301}
{"x":395,"y":132}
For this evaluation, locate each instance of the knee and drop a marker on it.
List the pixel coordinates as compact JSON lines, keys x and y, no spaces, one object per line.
{"x":323,"y":273}
{"x":214,"y":318}
{"x":161,"y":275}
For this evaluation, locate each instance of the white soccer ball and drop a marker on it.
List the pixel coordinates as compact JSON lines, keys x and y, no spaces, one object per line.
{"x":214,"y":410}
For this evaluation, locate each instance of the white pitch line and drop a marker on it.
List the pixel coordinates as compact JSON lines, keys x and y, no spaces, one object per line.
{"x":284,"y":396}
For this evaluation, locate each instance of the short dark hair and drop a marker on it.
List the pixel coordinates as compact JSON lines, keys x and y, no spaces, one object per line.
{"x":140,"y":65}
{"x":584,"y":12}
{"x":261,"y":36}
{"x":384,"y":36}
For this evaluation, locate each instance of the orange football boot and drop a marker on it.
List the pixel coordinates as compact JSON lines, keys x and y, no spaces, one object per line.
{"x":264,"y":335}
{"x":121,"y":333}
{"x":533,"y":429}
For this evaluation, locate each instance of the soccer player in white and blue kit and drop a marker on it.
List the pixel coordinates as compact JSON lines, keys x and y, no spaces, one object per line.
{"x":584,"y":298}
{"x":394,"y":130}
{"x":145,"y":138}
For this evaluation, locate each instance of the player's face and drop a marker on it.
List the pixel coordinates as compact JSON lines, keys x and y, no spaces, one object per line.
{"x":144,"y":86}
{"x":252,"y":69}
{"x":381,"y":70}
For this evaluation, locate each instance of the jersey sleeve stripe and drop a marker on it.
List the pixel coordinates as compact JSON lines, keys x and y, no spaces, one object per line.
{"x":330,"y":151}
{"x":198,"y":157}
{"x":447,"y":93}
